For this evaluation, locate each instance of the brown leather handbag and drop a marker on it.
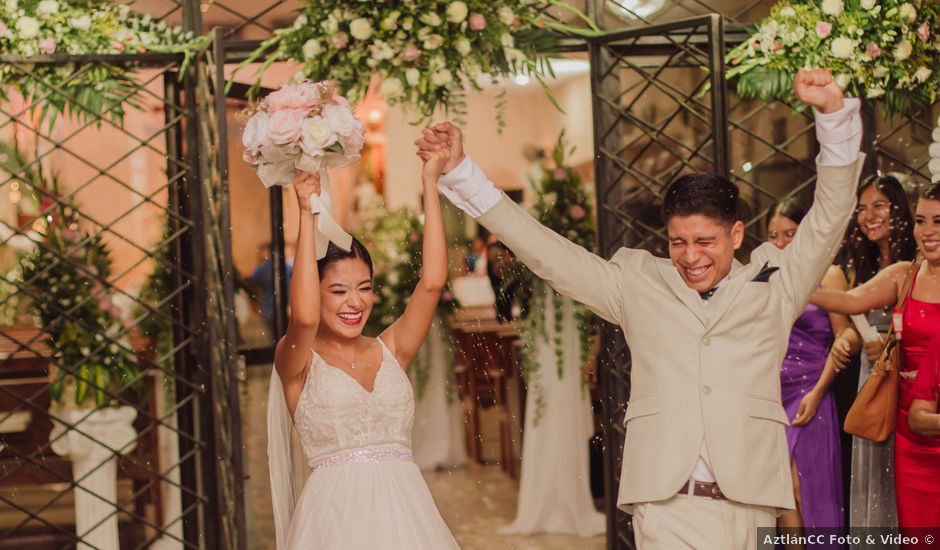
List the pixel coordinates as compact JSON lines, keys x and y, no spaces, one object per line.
{"x":875,"y":410}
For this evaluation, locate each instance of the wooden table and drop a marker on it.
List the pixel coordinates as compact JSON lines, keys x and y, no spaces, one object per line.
{"x":489,"y":375}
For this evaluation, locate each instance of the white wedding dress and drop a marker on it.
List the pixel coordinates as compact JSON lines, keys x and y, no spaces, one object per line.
{"x":364,"y":491}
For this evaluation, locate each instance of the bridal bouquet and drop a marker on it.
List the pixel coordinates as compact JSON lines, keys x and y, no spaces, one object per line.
{"x":307,"y":126}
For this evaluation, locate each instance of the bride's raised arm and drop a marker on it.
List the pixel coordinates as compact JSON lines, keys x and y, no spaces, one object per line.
{"x":405,"y":335}
{"x":293,"y":351}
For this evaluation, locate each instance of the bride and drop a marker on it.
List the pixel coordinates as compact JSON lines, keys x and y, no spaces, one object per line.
{"x":350,"y":398}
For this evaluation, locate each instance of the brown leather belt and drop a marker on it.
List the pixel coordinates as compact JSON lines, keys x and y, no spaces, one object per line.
{"x":702,"y":489}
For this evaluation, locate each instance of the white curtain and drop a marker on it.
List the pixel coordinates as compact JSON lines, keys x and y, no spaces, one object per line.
{"x":554,"y":490}
{"x":437,"y":440}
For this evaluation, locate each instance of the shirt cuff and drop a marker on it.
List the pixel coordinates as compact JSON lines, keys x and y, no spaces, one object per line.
{"x":468,"y":188}
{"x":840,"y":134}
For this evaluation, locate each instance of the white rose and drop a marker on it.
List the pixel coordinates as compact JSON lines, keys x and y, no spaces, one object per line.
{"x":457,"y":12}
{"x":507,"y":40}
{"x":907,"y":12}
{"x":340,"y":119}
{"x":392,"y":88}
{"x":431,"y":19}
{"x":256,"y":132}
{"x":843,"y":80}
{"x":27,"y":28}
{"x":787,"y":12}
{"x":506,"y":15}
{"x":413,"y":76}
{"x":832,"y":7}
{"x":312,"y":48}
{"x":903,"y":51}
{"x":316,"y":134}
{"x":82,"y":23}
{"x":442,"y":78}
{"x":433,"y":42}
{"x":300,"y":22}
{"x":463,"y":46}
{"x":874,"y":91}
{"x":880,"y":72}
{"x":11,"y":6}
{"x":868,"y":4}
{"x":47,"y":7}
{"x":922,"y":74}
{"x":330,"y":25}
{"x":360,"y":29}
{"x":843,"y":47}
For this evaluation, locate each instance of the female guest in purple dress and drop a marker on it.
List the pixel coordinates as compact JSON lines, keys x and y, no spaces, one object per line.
{"x":813,"y":437}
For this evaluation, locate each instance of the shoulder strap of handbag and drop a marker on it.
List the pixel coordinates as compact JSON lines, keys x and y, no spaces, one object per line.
{"x":908,"y":284}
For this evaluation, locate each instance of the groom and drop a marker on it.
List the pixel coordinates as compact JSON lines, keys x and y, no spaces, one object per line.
{"x":705,"y":458}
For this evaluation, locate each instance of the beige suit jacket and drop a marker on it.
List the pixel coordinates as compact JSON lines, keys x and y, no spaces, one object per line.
{"x":699,"y":374}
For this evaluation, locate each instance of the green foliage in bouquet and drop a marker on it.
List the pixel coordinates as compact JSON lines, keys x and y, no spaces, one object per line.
{"x":89,"y":91}
{"x":887,"y":50}
{"x":426,"y":52}
{"x":66,"y":277}
{"x":563,"y":205}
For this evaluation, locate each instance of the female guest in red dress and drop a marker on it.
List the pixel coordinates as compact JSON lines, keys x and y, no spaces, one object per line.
{"x":917,"y":458}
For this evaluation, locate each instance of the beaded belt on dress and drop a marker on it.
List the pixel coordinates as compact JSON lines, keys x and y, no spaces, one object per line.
{"x":365,"y":456}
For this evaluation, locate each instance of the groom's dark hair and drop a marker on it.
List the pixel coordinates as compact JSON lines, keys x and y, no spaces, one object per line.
{"x":707,"y":195}
{"x":335,"y":254}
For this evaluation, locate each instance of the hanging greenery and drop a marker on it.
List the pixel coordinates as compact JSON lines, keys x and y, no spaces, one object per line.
{"x":425,"y":52}
{"x":88,"y":91}
{"x":563,"y":206}
{"x":887,"y":50}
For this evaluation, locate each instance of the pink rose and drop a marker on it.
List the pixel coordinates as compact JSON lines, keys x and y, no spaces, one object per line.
{"x":873,"y":50}
{"x":410,"y":53}
{"x":47,"y":45}
{"x":301,"y":96}
{"x":923,"y":32}
{"x":4,"y":30}
{"x":477,"y":21}
{"x":339,"y":40}
{"x":576,"y":212}
{"x":823,"y":29}
{"x":285,"y":125}
{"x":118,"y":46}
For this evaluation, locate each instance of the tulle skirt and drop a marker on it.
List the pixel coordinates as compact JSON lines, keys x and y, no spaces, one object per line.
{"x":373,"y":506}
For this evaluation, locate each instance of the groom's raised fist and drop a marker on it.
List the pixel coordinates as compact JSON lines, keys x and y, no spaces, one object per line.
{"x":817,"y":88}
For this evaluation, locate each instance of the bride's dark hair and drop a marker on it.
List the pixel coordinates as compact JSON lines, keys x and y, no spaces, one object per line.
{"x":335,"y":254}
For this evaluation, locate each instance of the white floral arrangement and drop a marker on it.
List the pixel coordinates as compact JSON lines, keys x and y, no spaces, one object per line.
{"x":60,"y":27}
{"x":425,"y":52}
{"x":887,"y":50}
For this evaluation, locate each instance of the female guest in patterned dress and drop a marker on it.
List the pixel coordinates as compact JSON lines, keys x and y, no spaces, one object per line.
{"x":917,"y":458}
{"x":881,"y":234}
{"x":813,"y":439}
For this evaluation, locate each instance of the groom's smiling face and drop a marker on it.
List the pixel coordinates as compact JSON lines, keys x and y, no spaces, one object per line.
{"x":702,"y":248}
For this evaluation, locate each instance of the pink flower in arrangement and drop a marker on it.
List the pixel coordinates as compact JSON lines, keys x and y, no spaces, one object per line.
{"x":873,"y":50}
{"x":823,"y":29}
{"x":118,"y":46}
{"x":410,"y":53}
{"x":285,"y":125}
{"x":477,"y":21}
{"x":339,"y":40}
{"x":302,"y":97}
{"x":576,"y":212}
{"x":4,"y":30}
{"x":559,"y":174}
{"x":923,"y":32}
{"x":47,"y":45}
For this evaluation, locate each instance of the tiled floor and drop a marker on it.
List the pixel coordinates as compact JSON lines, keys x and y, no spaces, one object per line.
{"x":475,"y":501}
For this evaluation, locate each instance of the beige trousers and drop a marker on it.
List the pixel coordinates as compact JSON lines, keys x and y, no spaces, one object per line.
{"x":699,"y":523}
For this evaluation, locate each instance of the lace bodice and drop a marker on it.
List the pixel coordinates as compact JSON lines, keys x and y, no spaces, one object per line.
{"x":336,"y":414}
